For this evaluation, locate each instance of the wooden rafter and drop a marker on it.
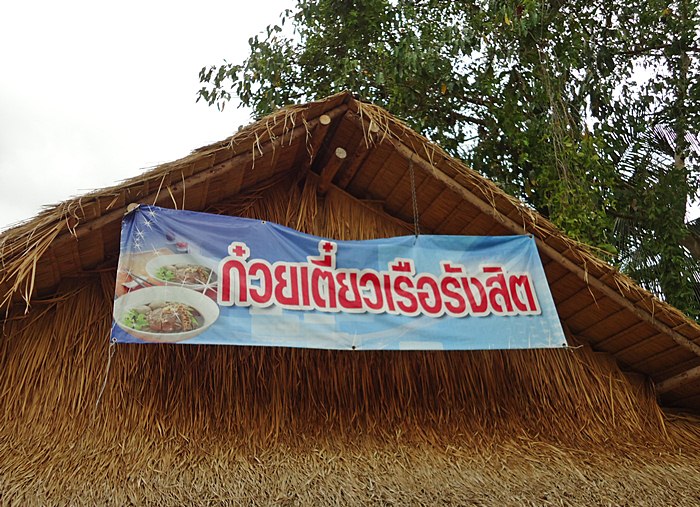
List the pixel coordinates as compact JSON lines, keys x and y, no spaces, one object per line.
{"x":331,"y":168}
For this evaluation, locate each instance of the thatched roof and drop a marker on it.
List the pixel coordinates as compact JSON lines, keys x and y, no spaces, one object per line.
{"x":598,"y":305}
{"x":260,"y":425}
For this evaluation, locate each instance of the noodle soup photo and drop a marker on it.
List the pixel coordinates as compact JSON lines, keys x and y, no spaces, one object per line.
{"x":165,"y":314}
{"x":183,"y":270}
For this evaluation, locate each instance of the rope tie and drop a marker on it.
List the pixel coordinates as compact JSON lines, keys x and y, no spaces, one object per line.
{"x":414,"y":197}
{"x":110,"y":353}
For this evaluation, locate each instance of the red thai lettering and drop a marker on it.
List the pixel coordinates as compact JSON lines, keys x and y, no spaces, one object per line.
{"x":522,"y":286}
{"x":454,"y":301}
{"x":261,"y":295}
{"x":233,"y":283}
{"x":388,"y":294}
{"x":348,"y":285}
{"x":286,"y":285}
{"x":406,"y":297}
{"x":482,"y":306}
{"x":498,"y":290}
{"x":305,"y":292}
{"x":372,"y":293}
{"x":317,"y":284}
{"x":323,"y":289}
{"x":429,"y":296}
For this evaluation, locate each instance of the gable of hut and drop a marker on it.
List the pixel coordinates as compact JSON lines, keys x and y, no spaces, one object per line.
{"x":86,"y":422}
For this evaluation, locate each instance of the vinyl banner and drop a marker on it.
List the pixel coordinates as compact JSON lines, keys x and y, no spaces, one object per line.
{"x":212,"y":279}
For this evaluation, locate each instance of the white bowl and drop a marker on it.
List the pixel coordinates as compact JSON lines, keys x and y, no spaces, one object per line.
{"x":203,"y":304}
{"x":159,"y":261}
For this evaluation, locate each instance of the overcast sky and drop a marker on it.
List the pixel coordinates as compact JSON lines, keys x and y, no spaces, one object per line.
{"x":93,"y":92}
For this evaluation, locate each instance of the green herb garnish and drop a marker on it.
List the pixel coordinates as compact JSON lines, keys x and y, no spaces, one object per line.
{"x":135,"y":320}
{"x":165,"y":274}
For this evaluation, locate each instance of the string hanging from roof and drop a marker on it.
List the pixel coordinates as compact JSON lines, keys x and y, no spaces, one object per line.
{"x":414,"y":198}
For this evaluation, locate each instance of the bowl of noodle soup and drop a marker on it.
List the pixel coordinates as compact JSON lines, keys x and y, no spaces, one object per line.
{"x":188,"y":270}
{"x":165,"y":314}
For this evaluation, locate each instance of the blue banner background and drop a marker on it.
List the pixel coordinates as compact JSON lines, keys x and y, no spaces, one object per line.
{"x":150,"y":231}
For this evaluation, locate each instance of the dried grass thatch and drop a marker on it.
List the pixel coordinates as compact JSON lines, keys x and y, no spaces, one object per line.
{"x":257,"y":426}
{"x":602,"y":307}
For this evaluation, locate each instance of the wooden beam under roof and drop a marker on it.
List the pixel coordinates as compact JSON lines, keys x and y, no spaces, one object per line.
{"x":317,"y":137}
{"x":681,"y":379}
{"x":331,"y":168}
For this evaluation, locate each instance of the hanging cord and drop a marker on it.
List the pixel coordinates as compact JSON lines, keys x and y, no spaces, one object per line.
{"x":414,"y":197}
{"x":110,"y":353}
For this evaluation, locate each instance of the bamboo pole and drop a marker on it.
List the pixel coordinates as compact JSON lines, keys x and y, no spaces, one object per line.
{"x":331,"y":169}
{"x":677,"y":381}
{"x":318,"y":136}
{"x":358,"y":158}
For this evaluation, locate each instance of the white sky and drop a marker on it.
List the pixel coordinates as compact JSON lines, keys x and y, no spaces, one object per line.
{"x":93,"y":92}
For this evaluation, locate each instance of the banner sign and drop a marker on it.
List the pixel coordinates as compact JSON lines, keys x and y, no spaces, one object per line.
{"x":212,"y":279}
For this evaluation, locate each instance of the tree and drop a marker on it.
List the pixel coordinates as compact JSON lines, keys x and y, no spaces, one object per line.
{"x":561,"y":103}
